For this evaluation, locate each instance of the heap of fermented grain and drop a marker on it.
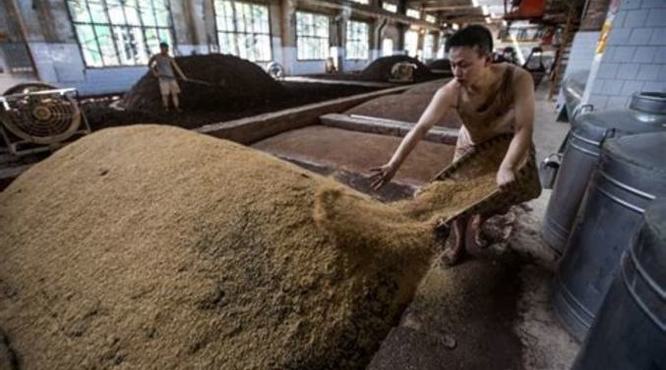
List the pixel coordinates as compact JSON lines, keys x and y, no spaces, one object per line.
{"x":154,"y":247}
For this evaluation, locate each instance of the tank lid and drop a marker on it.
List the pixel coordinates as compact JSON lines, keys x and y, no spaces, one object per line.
{"x":642,"y":150}
{"x":649,"y":102}
{"x":623,"y":122}
{"x":649,"y":248}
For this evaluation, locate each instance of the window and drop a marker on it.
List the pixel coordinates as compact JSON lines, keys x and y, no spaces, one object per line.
{"x":428,"y":46}
{"x":430,"y":18}
{"x":440,"y":48}
{"x":357,"y":40}
{"x":120,"y":32}
{"x":366,"y":2}
{"x":411,"y":42}
{"x":311,"y":36}
{"x":243,"y":30}
{"x":393,"y":8}
{"x":413,"y":13}
{"x":387,"y":47}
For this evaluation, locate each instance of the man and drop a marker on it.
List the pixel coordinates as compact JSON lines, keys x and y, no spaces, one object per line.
{"x":491,"y":99}
{"x":162,"y":66}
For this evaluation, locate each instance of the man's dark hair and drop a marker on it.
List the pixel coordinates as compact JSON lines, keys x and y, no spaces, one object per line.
{"x":474,"y":36}
{"x":164,"y":44}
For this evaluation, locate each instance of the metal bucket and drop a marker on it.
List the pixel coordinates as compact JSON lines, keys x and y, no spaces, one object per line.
{"x":630,"y":332}
{"x":631,"y":174}
{"x":647,"y":113}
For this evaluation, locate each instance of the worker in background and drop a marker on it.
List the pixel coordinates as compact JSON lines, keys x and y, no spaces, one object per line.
{"x":162,"y":66}
{"x":491,"y":99}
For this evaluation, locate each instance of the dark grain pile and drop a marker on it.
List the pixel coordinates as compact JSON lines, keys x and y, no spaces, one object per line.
{"x":380,"y":69}
{"x":236,"y":82}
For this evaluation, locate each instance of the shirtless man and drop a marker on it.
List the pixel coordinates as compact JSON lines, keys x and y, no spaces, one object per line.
{"x":491,"y":99}
{"x":162,"y":66}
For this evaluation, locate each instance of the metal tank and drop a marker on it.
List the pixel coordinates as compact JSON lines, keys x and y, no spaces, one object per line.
{"x":646,"y":113}
{"x":630,"y":175}
{"x":630,"y":332}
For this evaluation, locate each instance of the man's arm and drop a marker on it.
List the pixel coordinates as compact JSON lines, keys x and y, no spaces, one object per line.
{"x":177,"y":68}
{"x":151,"y":66}
{"x":523,"y":128}
{"x":440,"y":104}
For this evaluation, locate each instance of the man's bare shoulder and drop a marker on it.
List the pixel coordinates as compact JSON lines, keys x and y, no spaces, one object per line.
{"x":449,"y":90}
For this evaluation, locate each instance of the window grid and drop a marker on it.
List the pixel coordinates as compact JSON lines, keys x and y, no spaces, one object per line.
{"x":411,"y":42}
{"x":357,"y":40}
{"x":428,"y":46}
{"x":243,"y":29}
{"x":312,"y":36}
{"x":108,"y":36}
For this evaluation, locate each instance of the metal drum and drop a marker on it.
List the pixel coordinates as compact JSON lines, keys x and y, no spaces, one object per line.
{"x":647,"y":113}
{"x":631,"y":174}
{"x":630,"y":332}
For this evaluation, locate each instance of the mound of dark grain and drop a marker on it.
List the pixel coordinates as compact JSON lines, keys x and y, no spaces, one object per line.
{"x":380,"y":69}
{"x":440,"y":64}
{"x":237,"y":81}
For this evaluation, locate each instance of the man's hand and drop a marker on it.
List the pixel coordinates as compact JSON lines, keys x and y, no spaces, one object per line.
{"x":505,"y":177}
{"x":382,"y":175}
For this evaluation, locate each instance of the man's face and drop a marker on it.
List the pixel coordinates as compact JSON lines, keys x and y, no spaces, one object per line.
{"x":467,"y":64}
{"x":164,"y":50}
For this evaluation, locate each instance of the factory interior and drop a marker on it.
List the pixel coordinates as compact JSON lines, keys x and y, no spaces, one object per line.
{"x":333,"y":184}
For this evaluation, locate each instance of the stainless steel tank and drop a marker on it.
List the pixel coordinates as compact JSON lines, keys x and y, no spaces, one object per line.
{"x":630,"y":175}
{"x":630,"y":332}
{"x":646,"y":113}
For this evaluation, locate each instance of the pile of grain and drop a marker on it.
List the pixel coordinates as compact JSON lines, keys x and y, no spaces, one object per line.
{"x":440,"y":64}
{"x":403,"y":107}
{"x":380,"y":69}
{"x":154,"y":247}
{"x":237,"y":81}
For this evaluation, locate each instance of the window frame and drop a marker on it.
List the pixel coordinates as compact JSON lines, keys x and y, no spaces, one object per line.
{"x":367,"y":41}
{"x":416,"y":46}
{"x":110,"y":25}
{"x":236,"y":32}
{"x":328,"y":36}
{"x":432,"y":51}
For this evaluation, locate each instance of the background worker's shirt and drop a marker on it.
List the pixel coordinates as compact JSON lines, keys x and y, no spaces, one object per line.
{"x":164,"y":68}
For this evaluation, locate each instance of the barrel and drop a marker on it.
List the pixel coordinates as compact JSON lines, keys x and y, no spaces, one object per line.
{"x":631,"y":174}
{"x":647,"y":113}
{"x":630,"y":332}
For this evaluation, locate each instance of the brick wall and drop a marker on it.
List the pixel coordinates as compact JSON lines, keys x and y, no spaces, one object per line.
{"x":635,"y":57}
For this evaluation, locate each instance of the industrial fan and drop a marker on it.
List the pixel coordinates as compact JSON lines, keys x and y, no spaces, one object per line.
{"x":40,"y":120}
